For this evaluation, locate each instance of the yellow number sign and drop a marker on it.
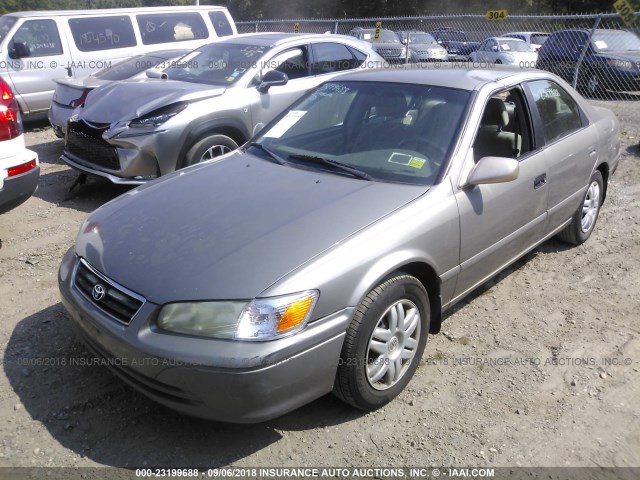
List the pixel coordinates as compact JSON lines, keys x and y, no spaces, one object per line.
{"x":496,"y":14}
{"x":296,"y":27}
{"x":376,"y":36}
{"x":625,"y":10}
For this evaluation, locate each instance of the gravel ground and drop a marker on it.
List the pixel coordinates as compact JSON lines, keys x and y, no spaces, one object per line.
{"x":540,"y":367}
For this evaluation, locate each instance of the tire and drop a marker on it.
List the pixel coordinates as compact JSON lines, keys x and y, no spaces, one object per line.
{"x":379,"y":357}
{"x":207,"y":148}
{"x":586,"y":216}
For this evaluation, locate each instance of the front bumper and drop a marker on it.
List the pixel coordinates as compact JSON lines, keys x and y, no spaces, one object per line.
{"x":230,"y":381}
{"x":16,"y":190}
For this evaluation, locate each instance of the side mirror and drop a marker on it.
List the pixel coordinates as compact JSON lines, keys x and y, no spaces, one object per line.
{"x":271,"y":79}
{"x":494,"y":48}
{"x":155,"y":73}
{"x":494,"y":170}
{"x":19,"y":50}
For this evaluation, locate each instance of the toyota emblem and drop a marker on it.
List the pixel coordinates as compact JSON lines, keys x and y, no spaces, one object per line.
{"x":98,"y":292}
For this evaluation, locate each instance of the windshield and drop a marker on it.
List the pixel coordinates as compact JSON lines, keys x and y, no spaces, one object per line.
{"x":514,"y":46}
{"x":421,"y":38}
{"x":130,"y":67}
{"x":389,"y":132}
{"x":616,"y":41}
{"x":453,"y":36}
{"x":6,"y":23}
{"x":216,"y":63}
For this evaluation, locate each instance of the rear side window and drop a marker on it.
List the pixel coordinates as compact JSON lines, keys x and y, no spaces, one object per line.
{"x":332,"y":57}
{"x":221,"y":24}
{"x":171,"y":27}
{"x":40,"y":36}
{"x":559,"y":113}
{"x":102,"y":33}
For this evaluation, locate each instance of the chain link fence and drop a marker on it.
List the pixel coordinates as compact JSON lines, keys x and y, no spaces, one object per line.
{"x":598,"y":54}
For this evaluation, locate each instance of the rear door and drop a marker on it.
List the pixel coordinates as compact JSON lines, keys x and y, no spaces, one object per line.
{"x":570,"y":145}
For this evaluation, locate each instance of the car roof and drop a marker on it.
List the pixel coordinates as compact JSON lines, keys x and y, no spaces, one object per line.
{"x":443,"y":75}
{"x":280,"y":38}
{"x":511,"y":39}
{"x":109,"y":11}
{"x":527,"y":33}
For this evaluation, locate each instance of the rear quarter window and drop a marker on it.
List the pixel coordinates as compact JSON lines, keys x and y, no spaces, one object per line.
{"x":171,"y":27}
{"x":102,"y":33}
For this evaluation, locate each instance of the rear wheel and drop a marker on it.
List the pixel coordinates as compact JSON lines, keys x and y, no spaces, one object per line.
{"x":384,"y":343}
{"x":584,"y":220}
{"x":209,"y":147}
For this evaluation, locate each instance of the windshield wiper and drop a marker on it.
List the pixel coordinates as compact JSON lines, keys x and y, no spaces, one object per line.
{"x":274,"y":157}
{"x":333,"y":163}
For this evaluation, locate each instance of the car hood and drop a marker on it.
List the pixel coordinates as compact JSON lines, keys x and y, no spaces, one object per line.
{"x":129,"y":99}
{"x":632,"y":55}
{"x":229,"y":229}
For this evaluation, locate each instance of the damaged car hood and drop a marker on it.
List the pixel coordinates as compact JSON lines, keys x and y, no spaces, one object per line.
{"x":129,"y":99}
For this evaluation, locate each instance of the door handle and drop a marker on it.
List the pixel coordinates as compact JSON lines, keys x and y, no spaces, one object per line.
{"x":540,"y":181}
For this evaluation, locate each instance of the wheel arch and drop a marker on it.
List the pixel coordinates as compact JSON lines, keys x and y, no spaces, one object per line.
{"x":603,"y":168}
{"x":233,"y":129}
{"x":427,"y":276}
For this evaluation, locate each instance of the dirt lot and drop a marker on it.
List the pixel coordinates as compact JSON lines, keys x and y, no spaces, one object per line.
{"x":539,"y":368}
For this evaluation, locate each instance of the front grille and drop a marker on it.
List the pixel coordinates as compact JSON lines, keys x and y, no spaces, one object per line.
{"x":107,"y":295}
{"x":389,"y":52}
{"x":85,"y":142}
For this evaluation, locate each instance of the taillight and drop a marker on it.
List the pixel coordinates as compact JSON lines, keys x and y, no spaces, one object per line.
{"x":10,"y":124}
{"x":79,"y":101}
{"x":18,"y":169}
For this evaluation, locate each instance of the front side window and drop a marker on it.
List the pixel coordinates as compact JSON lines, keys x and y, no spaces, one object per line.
{"x":39,"y":36}
{"x":293,"y":62}
{"x":400,"y":133}
{"x":505,"y":127}
{"x":102,"y":33}
{"x":559,"y":112}
{"x":171,"y":27}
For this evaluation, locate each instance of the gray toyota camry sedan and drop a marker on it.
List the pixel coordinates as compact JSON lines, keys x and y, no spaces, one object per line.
{"x":318,"y":257}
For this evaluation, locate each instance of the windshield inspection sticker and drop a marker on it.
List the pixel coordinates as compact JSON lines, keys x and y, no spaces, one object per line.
{"x":288,"y":121}
{"x":408,"y":160}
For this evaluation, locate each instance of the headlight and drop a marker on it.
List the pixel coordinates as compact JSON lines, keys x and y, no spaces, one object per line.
{"x":259,"y":319}
{"x":158,"y":117}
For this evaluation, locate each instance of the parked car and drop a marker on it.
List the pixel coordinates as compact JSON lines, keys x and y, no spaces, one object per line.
{"x":534,"y":39}
{"x":39,"y":47}
{"x":507,"y":51}
{"x":70,"y":94}
{"x":133,"y":131}
{"x":387,"y":44}
{"x":456,"y":42}
{"x":422,"y":46}
{"x":19,"y":167}
{"x":319,"y":256}
{"x":611,"y":59}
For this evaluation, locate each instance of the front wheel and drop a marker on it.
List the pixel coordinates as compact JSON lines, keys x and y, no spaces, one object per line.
{"x":384,"y":343}
{"x":584,"y":220}
{"x":209,"y":147}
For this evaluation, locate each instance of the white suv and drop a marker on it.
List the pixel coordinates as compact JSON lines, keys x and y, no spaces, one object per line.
{"x":19,"y":167}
